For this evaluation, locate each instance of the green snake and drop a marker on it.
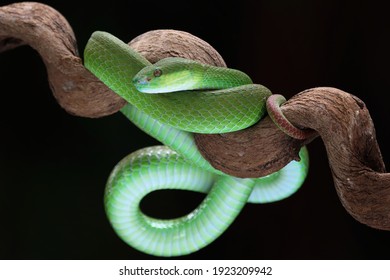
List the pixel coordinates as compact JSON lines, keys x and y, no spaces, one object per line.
{"x":171,"y":100}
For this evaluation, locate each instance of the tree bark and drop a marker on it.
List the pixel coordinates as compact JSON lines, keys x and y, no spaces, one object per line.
{"x":49,"y":33}
{"x":346,"y":128}
{"x":340,"y":119}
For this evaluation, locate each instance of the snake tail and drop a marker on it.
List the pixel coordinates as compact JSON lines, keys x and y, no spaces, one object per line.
{"x":275,"y":112}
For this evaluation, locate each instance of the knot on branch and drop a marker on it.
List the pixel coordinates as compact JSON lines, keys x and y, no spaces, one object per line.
{"x":341,"y":119}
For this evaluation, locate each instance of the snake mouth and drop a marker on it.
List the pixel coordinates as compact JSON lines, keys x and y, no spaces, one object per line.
{"x":142,"y":84}
{"x":145,"y":84}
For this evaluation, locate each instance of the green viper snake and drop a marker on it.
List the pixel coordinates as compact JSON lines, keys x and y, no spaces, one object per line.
{"x":171,"y":100}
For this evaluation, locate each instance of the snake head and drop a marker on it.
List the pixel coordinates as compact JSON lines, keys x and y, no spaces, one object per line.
{"x":147,"y":81}
{"x":167,"y":75}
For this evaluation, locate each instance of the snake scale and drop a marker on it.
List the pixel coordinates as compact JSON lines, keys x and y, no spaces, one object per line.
{"x":170,"y":101}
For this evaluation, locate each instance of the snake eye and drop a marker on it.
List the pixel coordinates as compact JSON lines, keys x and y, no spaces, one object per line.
{"x":157,"y":73}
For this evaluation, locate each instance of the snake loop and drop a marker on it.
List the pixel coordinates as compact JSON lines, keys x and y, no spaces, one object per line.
{"x":172,"y":118}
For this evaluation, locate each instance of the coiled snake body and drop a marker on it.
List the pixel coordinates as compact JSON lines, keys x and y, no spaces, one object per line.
{"x":224,"y":100}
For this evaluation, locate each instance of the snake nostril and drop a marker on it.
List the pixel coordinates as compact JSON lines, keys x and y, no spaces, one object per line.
{"x":144,"y":80}
{"x":141,"y":81}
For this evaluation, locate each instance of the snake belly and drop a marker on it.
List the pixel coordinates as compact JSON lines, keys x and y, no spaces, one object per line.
{"x":179,"y":164}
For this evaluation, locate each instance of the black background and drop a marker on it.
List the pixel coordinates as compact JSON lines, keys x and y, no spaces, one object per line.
{"x":54,"y":166}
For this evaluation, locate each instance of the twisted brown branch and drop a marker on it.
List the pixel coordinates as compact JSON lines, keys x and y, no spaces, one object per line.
{"x":49,"y":33}
{"x":341,"y":119}
{"x":346,"y":128}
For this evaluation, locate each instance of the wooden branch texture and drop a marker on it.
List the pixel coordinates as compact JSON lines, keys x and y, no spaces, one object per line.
{"x":340,"y":119}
